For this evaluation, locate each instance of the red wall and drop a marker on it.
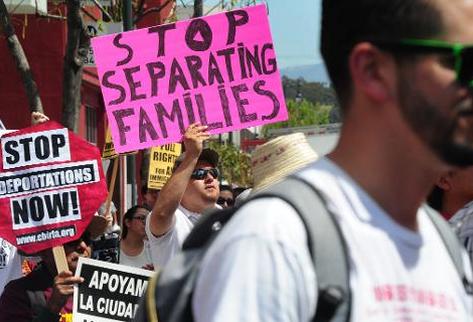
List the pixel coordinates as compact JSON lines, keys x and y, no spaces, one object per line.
{"x":43,"y":41}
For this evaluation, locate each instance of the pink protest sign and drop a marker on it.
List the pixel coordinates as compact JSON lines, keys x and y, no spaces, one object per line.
{"x":218,"y":70}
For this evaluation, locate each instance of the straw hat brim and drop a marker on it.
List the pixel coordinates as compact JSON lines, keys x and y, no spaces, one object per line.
{"x":280,"y":157}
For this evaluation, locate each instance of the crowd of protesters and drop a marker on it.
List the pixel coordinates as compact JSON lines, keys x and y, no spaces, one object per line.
{"x":148,"y":235}
{"x":405,"y":130}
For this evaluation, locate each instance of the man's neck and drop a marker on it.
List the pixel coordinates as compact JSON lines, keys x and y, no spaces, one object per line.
{"x":451,"y":204}
{"x":397,"y":178}
{"x":133,"y":240}
{"x":198,"y":208}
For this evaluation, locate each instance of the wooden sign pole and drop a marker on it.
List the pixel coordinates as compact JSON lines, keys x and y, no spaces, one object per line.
{"x":123,"y":184}
{"x":60,"y":259}
{"x":58,"y":251}
{"x":111,"y":189}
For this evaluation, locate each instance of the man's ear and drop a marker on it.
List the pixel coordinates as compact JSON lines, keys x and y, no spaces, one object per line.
{"x":373,"y":72}
{"x":445,"y":182}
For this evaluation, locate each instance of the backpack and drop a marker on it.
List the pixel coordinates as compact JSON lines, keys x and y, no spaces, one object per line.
{"x":169,"y":293}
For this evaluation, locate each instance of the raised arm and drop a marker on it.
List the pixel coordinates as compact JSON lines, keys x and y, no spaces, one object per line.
{"x":37,"y":118}
{"x":162,"y":216}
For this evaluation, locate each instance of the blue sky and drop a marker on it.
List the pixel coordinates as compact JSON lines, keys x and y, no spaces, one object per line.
{"x":295,"y":26}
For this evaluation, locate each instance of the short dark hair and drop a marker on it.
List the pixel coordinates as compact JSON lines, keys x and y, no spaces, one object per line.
{"x":144,"y":189}
{"x":226,"y":187}
{"x":435,"y":198}
{"x":348,"y":22}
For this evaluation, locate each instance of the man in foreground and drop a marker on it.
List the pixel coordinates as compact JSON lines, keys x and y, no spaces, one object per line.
{"x":192,"y":188}
{"x":404,"y":89}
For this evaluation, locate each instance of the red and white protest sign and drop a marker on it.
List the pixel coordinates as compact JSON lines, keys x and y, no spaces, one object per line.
{"x":219,"y":70}
{"x":51,"y":184}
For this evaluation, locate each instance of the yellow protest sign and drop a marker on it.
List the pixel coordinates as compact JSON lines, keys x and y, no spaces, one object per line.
{"x":161,"y":163}
{"x":108,"y":148}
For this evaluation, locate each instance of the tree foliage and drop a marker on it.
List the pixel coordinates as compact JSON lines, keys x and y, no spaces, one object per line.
{"x":317,"y":93}
{"x":314,"y":92}
{"x":302,"y":113}
{"x":234,"y":164}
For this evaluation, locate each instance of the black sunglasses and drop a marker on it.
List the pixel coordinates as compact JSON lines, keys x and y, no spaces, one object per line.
{"x":229,"y":201}
{"x":141,"y":218}
{"x":462,"y":54}
{"x":200,"y":174}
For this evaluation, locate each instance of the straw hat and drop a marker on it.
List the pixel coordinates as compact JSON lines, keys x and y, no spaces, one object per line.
{"x":278,"y":158}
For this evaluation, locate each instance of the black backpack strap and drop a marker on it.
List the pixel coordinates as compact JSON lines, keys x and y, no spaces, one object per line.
{"x":452,"y":244}
{"x":326,"y":245}
{"x":207,"y":227}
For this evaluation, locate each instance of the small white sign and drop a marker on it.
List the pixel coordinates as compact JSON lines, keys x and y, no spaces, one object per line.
{"x":110,"y":292}
{"x":35,"y":148}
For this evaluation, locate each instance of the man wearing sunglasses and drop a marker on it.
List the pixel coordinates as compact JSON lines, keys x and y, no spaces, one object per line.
{"x":192,"y":188}
{"x":403,"y":73}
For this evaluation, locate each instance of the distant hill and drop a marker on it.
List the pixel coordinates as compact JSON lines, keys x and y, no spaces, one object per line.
{"x":310,"y":73}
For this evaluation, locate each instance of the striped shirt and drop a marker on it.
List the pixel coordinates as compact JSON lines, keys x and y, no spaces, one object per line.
{"x":462,"y":223}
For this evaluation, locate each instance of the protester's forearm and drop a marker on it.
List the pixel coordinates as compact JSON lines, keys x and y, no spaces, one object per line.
{"x":170,"y":196}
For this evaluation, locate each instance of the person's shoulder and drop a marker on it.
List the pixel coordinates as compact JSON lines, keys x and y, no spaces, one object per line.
{"x":38,"y":273}
{"x":269,"y":218}
{"x":184,"y":218}
{"x":322,"y":168}
{"x":17,"y":288}
{"x":462,"y":214}
{"x":462,"y":221}
{"x":15,"y":302}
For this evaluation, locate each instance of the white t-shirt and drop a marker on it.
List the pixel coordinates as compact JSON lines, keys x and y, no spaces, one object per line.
{"x":164,"y":247}
{"x":140,"y":260}
{"x":259,"y":268}
{"x":10,"y":263}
